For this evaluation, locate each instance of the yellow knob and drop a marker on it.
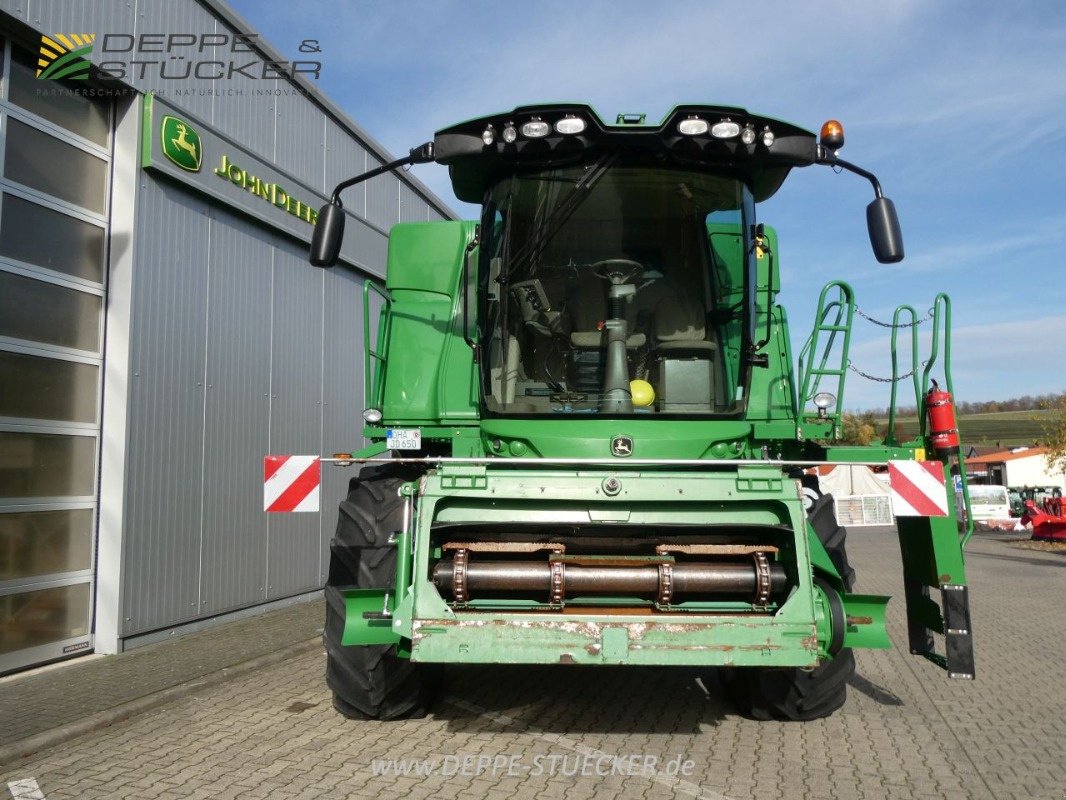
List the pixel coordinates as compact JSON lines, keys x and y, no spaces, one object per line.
{"x":643,"y":393}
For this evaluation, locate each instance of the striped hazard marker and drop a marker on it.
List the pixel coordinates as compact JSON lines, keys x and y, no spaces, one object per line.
{"x":290,"y":483}
{"x":918,"y":489}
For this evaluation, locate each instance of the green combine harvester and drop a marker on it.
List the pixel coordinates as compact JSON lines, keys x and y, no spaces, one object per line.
{"x":589,"y":440}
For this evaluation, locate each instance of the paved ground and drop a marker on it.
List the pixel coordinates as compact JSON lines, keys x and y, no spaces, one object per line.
{"x":906,"y":730}
{"x":46,"y":699}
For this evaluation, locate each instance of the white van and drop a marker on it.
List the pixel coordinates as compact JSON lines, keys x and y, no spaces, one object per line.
{"x":986,"y":502}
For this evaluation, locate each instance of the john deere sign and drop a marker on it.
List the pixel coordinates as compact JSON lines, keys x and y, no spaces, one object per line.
{"x":175,"y":144}
{"x":181,"y":144}
{"x":271,"y":192}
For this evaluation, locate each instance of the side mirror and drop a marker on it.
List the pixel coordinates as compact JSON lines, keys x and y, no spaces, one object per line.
{"x":886,"y":238}
{"x":329,"y":232}
{"x":329,"y":227}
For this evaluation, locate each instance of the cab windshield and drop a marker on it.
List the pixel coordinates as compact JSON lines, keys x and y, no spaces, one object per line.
{"x":618,"y":288}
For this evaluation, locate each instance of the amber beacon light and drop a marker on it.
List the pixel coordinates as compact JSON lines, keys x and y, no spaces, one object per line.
{"x":832,"y":135}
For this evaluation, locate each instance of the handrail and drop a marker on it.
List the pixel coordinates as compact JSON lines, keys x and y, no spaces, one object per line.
{"x":942,"y":311}
{"x":374,"y":374}
{"x":808,"y":346}
{"x":890,"y":436}
{"x":942,"y":301}
{"x":844,"y":307}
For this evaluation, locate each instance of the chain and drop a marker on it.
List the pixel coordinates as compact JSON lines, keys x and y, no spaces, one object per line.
{"x":928,"y":316}
{"x":868,"y":377}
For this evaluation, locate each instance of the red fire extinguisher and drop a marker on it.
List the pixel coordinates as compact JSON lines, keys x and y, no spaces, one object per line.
{"x":943,"y":430}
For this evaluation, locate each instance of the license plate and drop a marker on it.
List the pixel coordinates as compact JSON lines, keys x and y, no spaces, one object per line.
{"x":403,"y":438}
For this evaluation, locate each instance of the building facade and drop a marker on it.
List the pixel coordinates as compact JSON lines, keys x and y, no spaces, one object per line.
{"x":1019,"y":467}
{"x":160,"y":328}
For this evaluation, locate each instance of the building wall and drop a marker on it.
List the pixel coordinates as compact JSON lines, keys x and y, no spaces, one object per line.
{"x":301,"y":135}
{"x":224,"y":344}
{"x":1032,"y":471}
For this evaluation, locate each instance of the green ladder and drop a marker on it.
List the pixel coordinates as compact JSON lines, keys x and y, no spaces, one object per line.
{"x":836,"y":311}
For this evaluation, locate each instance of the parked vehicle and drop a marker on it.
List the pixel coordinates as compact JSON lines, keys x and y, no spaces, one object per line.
{"x":986,"y":502}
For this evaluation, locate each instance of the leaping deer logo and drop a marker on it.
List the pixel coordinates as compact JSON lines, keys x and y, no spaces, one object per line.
{"x":181,"y":143}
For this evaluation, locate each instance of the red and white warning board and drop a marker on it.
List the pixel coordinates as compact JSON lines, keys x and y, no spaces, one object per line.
{"x":918,"y":489}
{"x":290,"y":483}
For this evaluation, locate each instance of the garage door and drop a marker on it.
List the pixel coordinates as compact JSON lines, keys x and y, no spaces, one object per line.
{"x":55,"y":167}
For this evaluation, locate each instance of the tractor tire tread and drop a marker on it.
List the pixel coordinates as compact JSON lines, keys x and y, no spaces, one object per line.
{"x":370,"y":681}
{"x":795,"y":693}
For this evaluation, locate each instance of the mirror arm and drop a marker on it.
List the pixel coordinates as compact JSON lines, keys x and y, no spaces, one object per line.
{"x":831,"y":160}
{"x":418,"y":155}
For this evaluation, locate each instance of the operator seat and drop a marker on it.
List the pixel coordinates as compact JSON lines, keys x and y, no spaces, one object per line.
{"x":675,"y":317}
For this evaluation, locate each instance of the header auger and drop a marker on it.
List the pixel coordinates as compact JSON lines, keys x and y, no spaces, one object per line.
{"x":588,"y":435}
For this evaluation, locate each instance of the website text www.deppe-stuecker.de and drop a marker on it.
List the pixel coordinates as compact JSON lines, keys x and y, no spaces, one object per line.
{"x":504,"y":765}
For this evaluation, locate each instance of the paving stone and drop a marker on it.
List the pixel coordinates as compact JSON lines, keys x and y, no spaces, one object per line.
{"x":45,"y":699}
{"x":907,"y":731}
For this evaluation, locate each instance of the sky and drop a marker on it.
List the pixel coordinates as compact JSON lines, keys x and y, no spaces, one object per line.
{"x":958,"y":107}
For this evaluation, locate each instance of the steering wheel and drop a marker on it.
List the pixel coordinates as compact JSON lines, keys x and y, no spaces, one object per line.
{"x":617,"y":271}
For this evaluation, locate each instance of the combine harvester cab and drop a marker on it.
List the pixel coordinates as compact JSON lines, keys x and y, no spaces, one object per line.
{"x":589,"y":440}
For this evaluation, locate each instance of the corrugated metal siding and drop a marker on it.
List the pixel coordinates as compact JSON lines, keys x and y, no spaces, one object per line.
{"x":344,"y":156}
{"x":295,"y":411}
{"x":285,"y":129}
{"x":166,"y":441}
{"x":237,"y":415}
{"x":382,"y":198}
{"x":238,"y":348}
{"x":342,"y":392}
{"x":73,"y":15}
{"x":300,"y":121}
{"x":413,"y":206}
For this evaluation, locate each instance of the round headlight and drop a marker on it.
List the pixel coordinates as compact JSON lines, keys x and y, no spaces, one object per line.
{"x":372,"y":416}
{"x":726,"y":129}
{"x":748,"y":135}
{"x":488,"y":136}
{"x":536,"y":129}
{"x":510,"y":134}
{"x":570,"y":125}
{"x":767,"y":137}
{"x":693,"y":126}
{"x":824,"y":400}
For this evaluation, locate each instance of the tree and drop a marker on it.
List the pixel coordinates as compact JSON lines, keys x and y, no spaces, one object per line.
{"x":856,"y":429}
{"x":1055,"y":434}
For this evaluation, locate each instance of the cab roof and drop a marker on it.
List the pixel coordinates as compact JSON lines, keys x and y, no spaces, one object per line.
{"x":478,"y":155}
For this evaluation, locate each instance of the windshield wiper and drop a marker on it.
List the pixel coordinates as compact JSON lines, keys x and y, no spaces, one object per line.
{"x":560,"y":214}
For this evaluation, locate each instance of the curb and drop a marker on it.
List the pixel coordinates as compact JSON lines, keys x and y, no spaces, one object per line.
{"x":31,"y":745}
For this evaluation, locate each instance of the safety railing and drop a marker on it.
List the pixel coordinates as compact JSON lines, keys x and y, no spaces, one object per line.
{"x":941,"y":317}
{"x":834,"y":318}
{"x":375,"y":359}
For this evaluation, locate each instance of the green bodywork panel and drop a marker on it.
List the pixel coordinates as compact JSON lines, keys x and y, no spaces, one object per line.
{"x":706,"y":633}
{"x":427,"y":377}
{"x":430,"y":377}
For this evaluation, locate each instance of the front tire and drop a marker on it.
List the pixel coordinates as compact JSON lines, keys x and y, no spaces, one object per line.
{"x":370,"y":681}
{"x":795,"y":693}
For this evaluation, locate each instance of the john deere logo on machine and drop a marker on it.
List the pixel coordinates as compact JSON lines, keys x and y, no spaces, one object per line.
{"x":65,"y":55}
{"x":181,"y":144}
{"x":621,"y":446}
